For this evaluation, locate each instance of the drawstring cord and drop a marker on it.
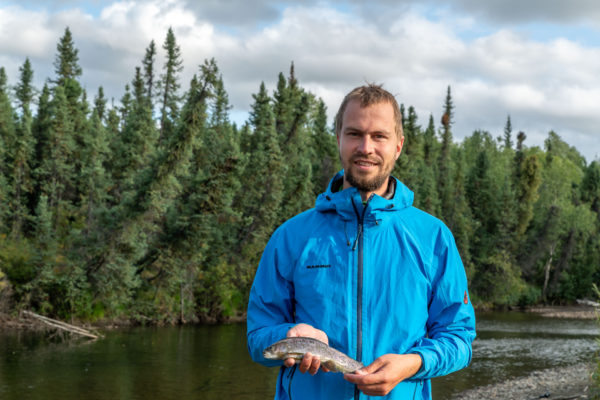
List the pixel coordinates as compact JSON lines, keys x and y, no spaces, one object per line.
{"x":346,"y":233}
{"x":359,"y":221}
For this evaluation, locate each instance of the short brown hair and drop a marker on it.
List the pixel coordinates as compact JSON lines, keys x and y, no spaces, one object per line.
{"x":368,"y":95}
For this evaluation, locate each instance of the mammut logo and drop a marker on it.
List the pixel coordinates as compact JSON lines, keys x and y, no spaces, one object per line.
{"x":318,"y":266}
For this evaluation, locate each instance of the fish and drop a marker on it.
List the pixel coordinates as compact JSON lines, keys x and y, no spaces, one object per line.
{"x":334,"y":360}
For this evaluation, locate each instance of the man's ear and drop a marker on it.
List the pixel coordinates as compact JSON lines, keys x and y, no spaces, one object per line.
{"x":399,"y":147}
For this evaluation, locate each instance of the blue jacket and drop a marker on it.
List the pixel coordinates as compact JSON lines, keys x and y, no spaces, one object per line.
{"x":377,"y":279}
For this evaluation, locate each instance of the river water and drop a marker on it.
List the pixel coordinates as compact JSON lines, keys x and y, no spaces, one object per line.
{"x":211,"y":362}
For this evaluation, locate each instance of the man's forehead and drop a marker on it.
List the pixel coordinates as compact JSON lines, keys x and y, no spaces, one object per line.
{"x":356,"y":109}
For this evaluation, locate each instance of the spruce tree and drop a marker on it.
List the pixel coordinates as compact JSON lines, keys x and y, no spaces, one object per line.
{"x":444,"y":161}
{"x":100,"y":105}
{"x":291,"y":109}
{"x":22,"y":151}
{"x":136,"y":145}
{"x":149,"y":74}
{"x":67,"y":69}
{"x":56,"y":173}
{"x":169,"y":87}
{"x":263,"y":178}
{"x":326,"y":159}
{"x":508,"y":134}
{"x":425,"y":181}
{"x":7,"y":137}
{"x":125,"y":108}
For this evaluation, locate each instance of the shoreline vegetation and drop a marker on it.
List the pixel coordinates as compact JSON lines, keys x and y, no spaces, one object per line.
{"x":19,"y":321}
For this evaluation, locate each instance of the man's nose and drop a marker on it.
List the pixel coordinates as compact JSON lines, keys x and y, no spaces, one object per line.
{"x":365,"y":145}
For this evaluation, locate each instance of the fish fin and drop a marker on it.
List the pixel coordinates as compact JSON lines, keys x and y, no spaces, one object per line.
{"x":330,"y":365}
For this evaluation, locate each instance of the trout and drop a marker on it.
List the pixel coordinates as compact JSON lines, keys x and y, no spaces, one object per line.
{"x":334,"y":360}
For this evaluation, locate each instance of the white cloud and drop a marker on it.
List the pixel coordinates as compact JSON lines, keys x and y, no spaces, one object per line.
{"x":543,"y":85}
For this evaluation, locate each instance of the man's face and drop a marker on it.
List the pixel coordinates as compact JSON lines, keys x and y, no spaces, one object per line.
{"x":369,"y":146}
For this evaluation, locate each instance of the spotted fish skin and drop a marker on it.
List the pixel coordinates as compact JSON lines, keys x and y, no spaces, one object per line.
{"x":334,"y":360}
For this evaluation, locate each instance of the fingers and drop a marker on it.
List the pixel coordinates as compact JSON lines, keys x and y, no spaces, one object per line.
{"x":306,"y":330}
{"x":370,"y":384}
{"x":310,"y":363}
{"x":289,"y":362}
{"x":380,"y":377}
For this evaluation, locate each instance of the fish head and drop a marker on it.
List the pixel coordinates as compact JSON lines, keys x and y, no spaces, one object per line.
{"x":277,"y":351}
{"x":273,"y":352}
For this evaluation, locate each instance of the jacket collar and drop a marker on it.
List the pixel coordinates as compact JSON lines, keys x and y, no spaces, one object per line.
{"x":341,"y":201}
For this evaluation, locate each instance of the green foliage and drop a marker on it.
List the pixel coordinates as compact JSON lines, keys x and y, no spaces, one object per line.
{"x":17,"y":258}
{"x":595,"y":390}
{"x":111,"y":211}
{"x":168,"y":84}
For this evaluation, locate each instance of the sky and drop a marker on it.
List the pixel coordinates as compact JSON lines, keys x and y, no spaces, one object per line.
{"x":537,"y":61}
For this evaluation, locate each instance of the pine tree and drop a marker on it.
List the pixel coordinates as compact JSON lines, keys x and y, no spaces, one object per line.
{"x":149,"y":74}
{"x":125,"y":108}
{"x":445,"y":162}
{"x":208,"y":203}
{"x":326,"y":160}
{"x":412,"y":135}
{"x":67,"y":69}
{"x":100,"y":105}
{"x":590,"y":187}
{"x":429,"y":143}
{"x":22,"y":151}
{"x":461,"y":221}
{"x":7,"y":137}
{"x":57,"y":172}
{"x":407,"y":167}
{"x":291,"y":107}
{"x":425,"y":181}
{"x":169,"y":87}
{"x":136,"y":145}
{"x":263,"y":178}
{"x":508,"y":134}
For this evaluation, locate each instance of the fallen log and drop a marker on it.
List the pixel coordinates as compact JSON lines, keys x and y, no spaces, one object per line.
{"x":62,"y":325}
{"x":587,"y":302}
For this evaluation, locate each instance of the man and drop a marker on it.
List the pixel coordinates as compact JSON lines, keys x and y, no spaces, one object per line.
{"x":365,"y":272}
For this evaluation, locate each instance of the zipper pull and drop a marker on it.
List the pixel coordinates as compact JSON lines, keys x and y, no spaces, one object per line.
{"x":358,"y":234}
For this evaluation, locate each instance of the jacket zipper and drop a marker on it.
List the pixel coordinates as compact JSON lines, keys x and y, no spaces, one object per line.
{"x":359,"y":283}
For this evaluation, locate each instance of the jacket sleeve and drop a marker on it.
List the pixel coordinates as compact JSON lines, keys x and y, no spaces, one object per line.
{"x":270,"y":306}
{"x":451,"y":319}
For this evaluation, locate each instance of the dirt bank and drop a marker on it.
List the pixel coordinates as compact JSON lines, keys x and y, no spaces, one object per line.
{"x":579,"y":311}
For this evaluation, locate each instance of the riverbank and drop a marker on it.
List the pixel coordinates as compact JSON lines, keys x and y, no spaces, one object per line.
{"x":571,"y":382}
{"x":565,"y":383}
{"x":576,"y":311}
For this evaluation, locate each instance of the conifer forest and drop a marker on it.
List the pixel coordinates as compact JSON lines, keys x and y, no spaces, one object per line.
{"x":155,"y":207}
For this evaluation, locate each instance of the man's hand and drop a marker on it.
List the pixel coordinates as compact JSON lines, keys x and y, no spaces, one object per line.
{"x":380,"y":377}
{"x":309,"y":362}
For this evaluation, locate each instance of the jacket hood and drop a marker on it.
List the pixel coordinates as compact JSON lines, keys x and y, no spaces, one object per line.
{"x":341,"y":201}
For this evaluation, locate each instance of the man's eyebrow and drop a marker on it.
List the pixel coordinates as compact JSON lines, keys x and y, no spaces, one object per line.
{"x":352,"y":128}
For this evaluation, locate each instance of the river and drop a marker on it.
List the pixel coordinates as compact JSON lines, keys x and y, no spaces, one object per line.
{"x":211,"y":362}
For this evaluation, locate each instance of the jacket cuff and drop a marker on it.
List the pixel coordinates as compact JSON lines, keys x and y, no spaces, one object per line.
{"x":270,"y":336}
{"x":426,"y":359}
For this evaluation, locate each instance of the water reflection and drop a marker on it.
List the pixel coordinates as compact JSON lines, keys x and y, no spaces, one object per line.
{"x":212,"y":362}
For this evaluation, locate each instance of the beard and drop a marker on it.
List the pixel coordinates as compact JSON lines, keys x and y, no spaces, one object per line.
{"x":365,"y":184}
